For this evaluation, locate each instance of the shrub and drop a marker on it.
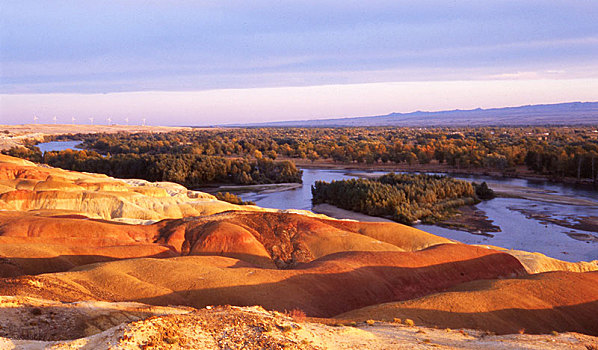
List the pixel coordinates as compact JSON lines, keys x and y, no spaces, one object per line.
{"x":483,"y":191}
{"x":296,"y":314}
{"x":232,"y":198}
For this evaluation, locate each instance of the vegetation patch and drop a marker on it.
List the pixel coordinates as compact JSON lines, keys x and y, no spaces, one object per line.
{"x":405,"y":198}
{"x":232,"y":198}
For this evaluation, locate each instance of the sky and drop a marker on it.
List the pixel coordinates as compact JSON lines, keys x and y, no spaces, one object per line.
{"x":217,"y":62}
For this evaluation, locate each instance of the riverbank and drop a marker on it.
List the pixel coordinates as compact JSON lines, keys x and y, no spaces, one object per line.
{"x":262,"y":188}
{"x":343,"y":214}
{"x":510,"y":191}
{"x":466,"y":219}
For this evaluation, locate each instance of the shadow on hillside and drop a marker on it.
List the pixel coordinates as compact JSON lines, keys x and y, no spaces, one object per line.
{"x":581,"y":318}
{"x":15,"y":267}
{"x":325,"y":293}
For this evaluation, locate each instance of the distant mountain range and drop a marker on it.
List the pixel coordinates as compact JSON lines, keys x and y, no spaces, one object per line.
{"x":572,"y":113}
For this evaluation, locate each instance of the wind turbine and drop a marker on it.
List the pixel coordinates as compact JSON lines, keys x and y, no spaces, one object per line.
{"x":73,"y":120}
{"x":91,"y":120}
{"x":35,"y":118}
{"x":54,"y":119}
{"x":143,"y":121}
{"x":109,"y":120}
{"x":127,"y":121}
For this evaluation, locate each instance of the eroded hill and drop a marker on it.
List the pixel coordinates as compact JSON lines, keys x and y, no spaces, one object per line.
{"x":69,"y":237}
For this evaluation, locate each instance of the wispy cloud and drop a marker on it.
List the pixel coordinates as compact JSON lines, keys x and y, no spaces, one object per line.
{"x":139,"y":45}
{"x":104,"y":47}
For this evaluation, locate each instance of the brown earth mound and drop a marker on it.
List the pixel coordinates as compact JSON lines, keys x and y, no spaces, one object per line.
{"x":542,"y":303}
{"x":288,"y":239}
{"x":50,"y":241}
{"x":11,"y":171}
{"x":325,"y":287}
{"x":34,"y":243}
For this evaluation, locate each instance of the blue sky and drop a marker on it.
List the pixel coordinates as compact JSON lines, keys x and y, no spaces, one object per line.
{"x":207,"y":62}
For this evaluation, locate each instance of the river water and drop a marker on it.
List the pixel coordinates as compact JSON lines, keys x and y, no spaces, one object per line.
{"x":57,"y":145}
{"x":519,"y":230}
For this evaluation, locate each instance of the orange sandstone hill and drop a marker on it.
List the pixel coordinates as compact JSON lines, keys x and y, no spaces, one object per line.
{"x":68,"y":236}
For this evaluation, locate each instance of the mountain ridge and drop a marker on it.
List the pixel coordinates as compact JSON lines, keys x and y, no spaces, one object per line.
{"x":569,"y":113}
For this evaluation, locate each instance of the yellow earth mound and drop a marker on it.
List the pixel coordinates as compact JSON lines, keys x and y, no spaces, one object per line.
{"x":538,"y":263}
{"x":25,"y":186}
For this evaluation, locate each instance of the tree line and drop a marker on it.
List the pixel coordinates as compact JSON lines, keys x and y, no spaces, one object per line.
{"x":190,"y":170}
{"x":554,"y":151}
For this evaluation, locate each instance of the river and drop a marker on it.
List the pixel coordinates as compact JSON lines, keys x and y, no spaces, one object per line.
{"x":521,"y":220}
{"x":519,"y":229}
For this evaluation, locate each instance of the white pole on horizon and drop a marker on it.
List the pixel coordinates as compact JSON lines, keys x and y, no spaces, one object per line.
{"x":54,"y":119}
{"x":109,"y":120}
{"x":73,"y":120}
{"x":143,"y":121}
{"x":35,"y":118}
{"x":91,"y":120}
{"x":127,"y":121}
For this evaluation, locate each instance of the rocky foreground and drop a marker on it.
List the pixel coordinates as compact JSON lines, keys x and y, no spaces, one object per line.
{"x":101,"y":325}
{"x":89,"y":261}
